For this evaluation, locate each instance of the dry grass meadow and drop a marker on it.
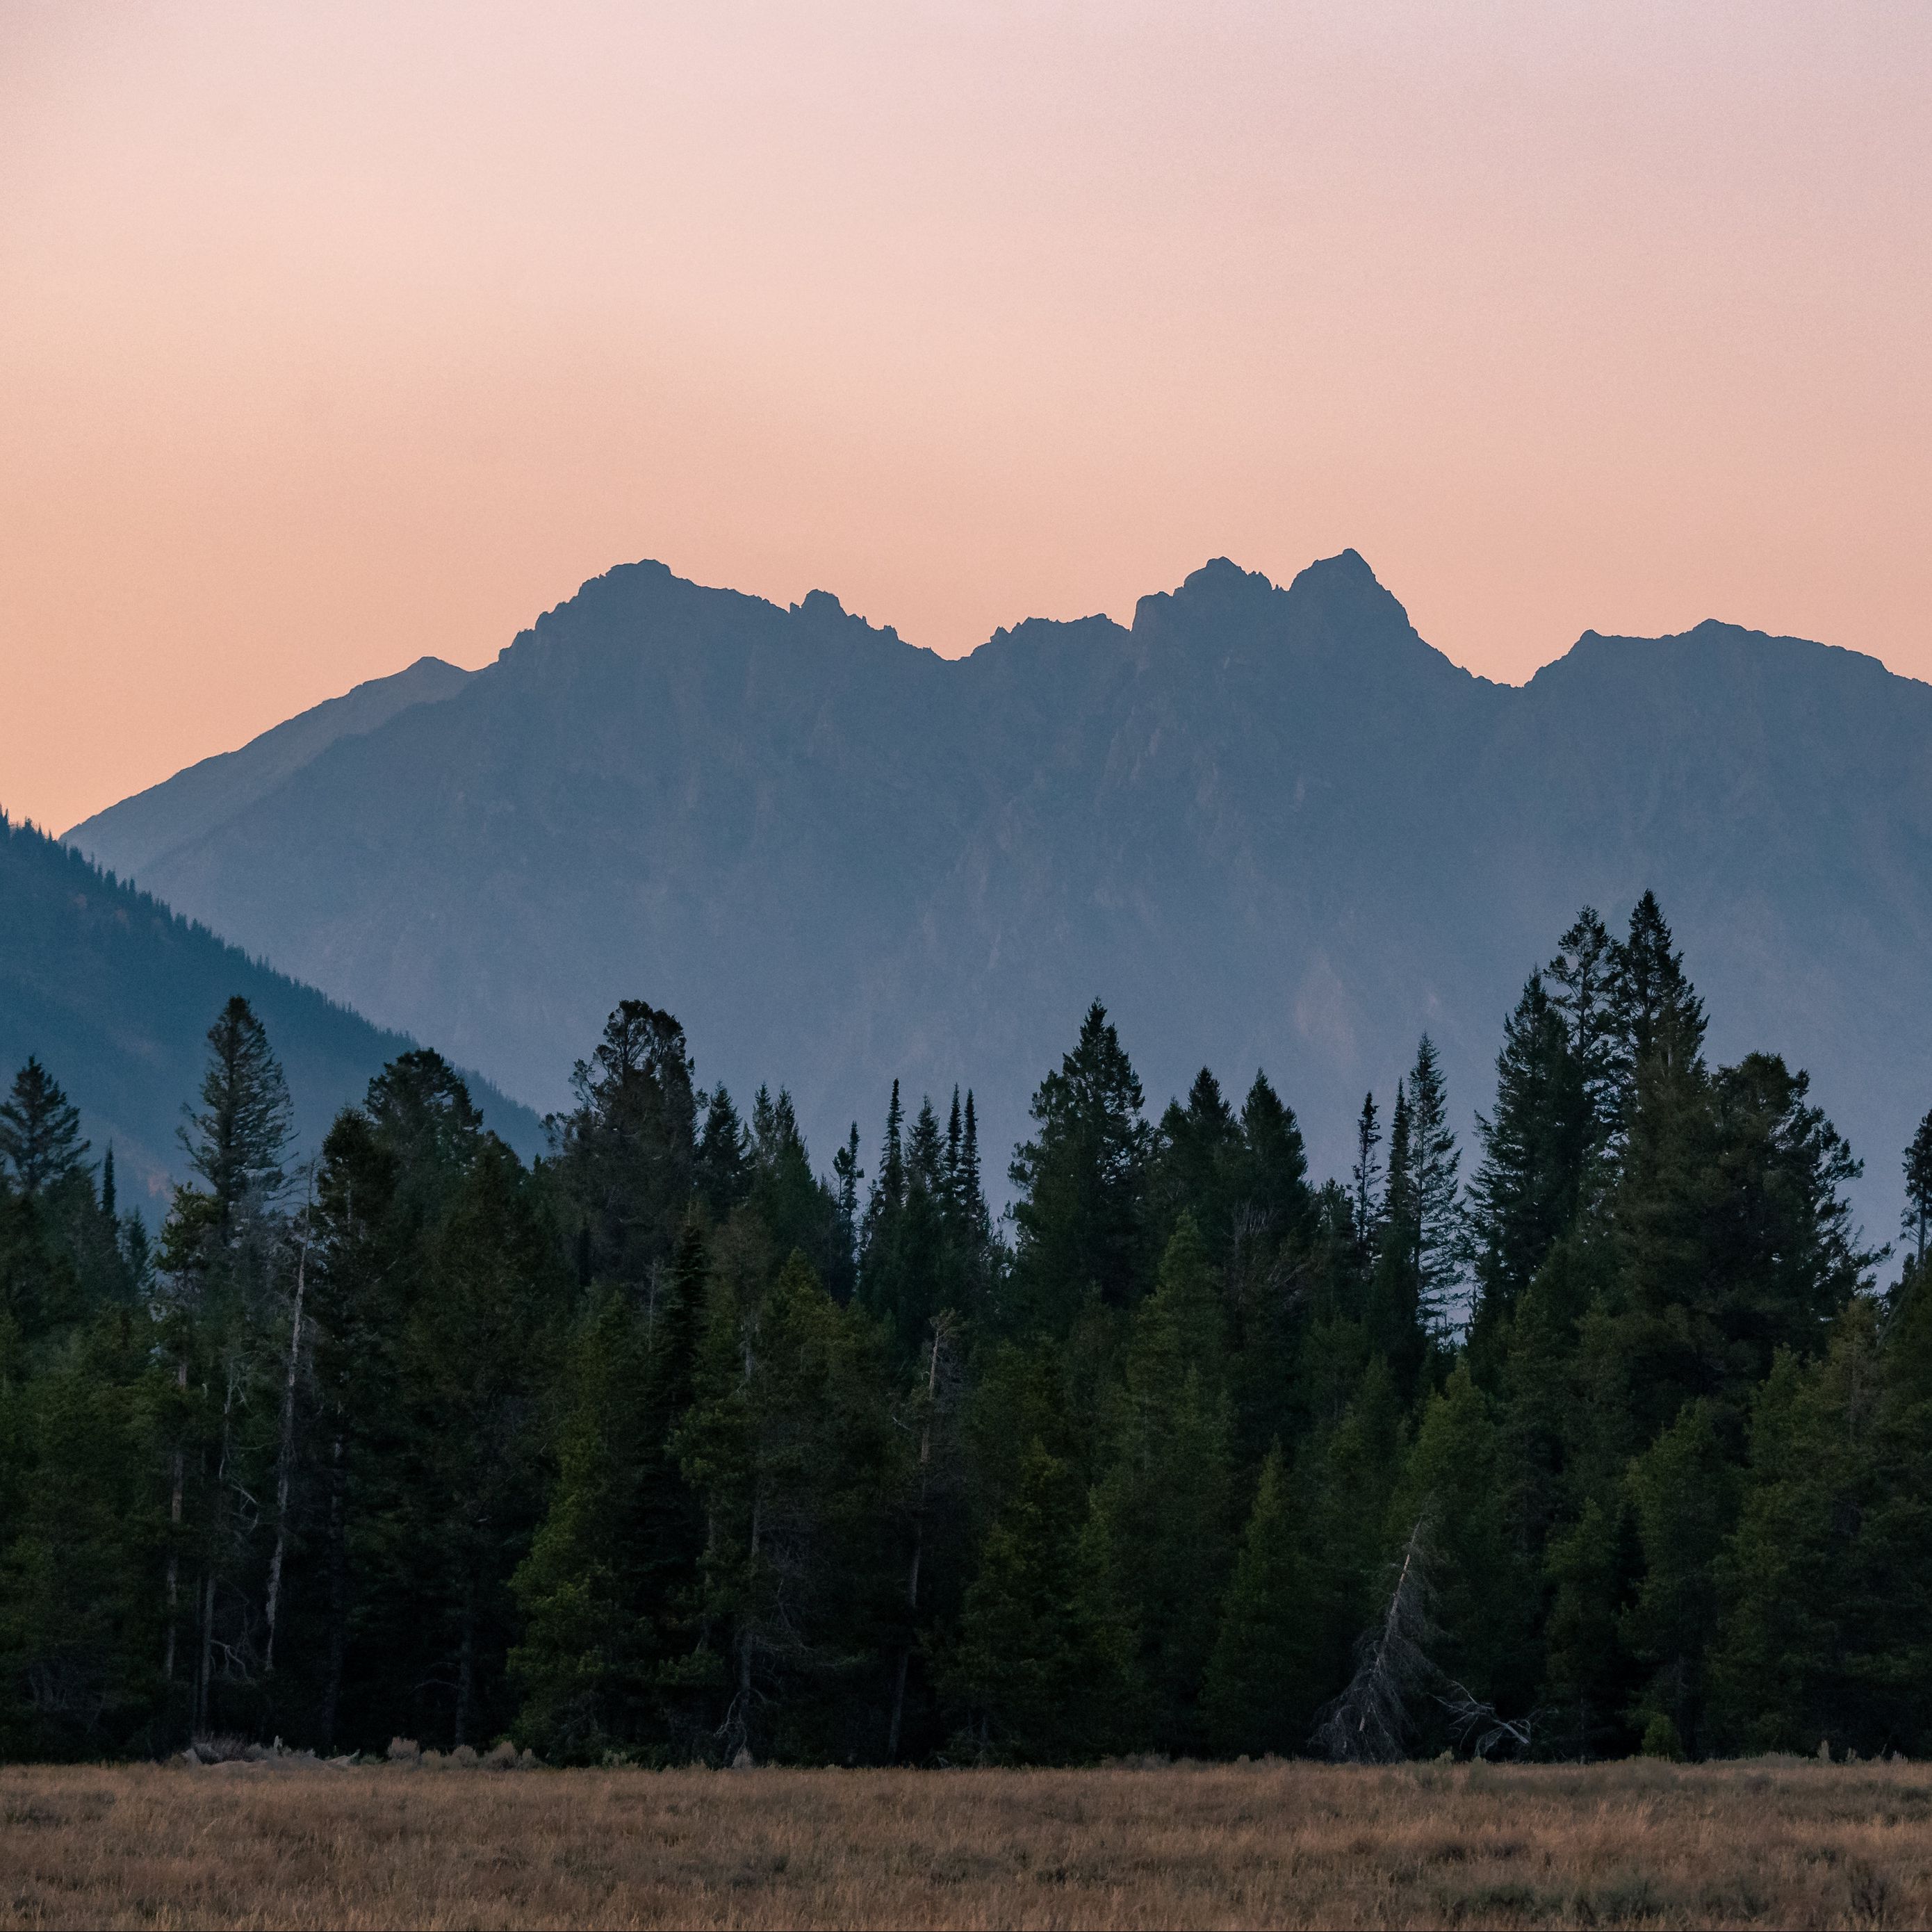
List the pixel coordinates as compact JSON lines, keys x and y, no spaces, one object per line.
{"x":1772,"y":1842}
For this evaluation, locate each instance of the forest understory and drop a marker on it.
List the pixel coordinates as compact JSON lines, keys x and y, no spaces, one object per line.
{"x":1775,"y":1841}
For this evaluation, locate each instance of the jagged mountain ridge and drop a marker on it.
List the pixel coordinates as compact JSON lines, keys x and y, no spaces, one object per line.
{"x":1268,"y":826}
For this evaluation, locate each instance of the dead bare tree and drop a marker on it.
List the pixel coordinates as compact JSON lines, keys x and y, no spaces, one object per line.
{"x":1476,"y":1724}
{"x":943,"y":1326}
{"x":1370,"y":1722}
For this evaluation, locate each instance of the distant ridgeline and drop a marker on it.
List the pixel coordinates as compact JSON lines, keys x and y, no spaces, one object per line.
{"x":1267,"y":826}
{"x":1599,"y":1435}
{"x":114,"y":993}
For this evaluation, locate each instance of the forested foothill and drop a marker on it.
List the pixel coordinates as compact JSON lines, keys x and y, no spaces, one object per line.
{"x":1605,"y":1435}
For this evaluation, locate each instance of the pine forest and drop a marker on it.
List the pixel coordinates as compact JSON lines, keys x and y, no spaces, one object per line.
{"x":1607,"y":1434}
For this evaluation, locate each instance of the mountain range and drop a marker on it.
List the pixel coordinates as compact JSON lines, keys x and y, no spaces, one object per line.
{"x":114,"y":993}
{"x":1268,"y":826}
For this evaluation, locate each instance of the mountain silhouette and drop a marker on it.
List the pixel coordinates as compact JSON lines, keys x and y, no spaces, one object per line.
{"x":1268,"y":826}
{"x":206,"y":796}
{"x":114,"y":993}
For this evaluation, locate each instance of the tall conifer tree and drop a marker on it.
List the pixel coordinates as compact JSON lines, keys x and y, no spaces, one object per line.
{"x":39,"y":1132}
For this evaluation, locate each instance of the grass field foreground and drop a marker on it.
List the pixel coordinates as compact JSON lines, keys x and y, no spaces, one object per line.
{"x":1778,"y":1842}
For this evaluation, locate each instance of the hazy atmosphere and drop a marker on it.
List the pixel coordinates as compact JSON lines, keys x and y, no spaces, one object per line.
{"x":965,"y":965}
{"x":333,"y":336}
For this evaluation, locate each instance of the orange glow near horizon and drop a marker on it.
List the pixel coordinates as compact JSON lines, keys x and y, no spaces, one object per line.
{"x":330,"y":336}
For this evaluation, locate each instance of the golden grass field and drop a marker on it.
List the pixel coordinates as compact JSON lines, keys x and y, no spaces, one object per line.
{"x":1775,"y":1842}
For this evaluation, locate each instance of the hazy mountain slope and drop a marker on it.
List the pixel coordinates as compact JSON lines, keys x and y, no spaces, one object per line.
{"x":1269,"y":827}
{"x":115,"y":993}
{"x":128,"y":837}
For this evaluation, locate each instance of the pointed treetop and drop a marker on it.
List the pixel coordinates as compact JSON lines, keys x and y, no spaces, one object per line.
{"x":1654,"y":1004}
{"x":1919,"y":1190}
{"x":239,"y":1141}
{"x":1364,"y":1189}
{"x":39,"y":1131}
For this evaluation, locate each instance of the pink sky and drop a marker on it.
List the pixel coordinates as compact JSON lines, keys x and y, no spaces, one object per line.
{"x":330,"y":335}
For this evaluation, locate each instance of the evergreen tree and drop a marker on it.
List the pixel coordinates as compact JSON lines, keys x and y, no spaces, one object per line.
{"x":83,"y":1522}
{"x":1917,"y":1223}
{"x":1365,"y":1178}
{"x":238,"y":1142}
{"x":1043,"y":1669}
{"x":789,"y":1444}
{"x":1081,"y":1181}
{"x":1583,"y":978}
{"x":972,"y":1196}
{"x":1194,"y":1170}
{"x":794,"y":1207}
{"x":847,"y":1173}
{"x":1527,"y":1191}
{"x":578,"y":1662}
{"x":1268,"y":1270}
{"x":1166,"y":1495}
{"x":1395,"y":1321}
{"x":1453,"y":1481}
{"x":950,"y":1160}
{"x":39,"y":1132}
{"x":1790,"y":1579}
{"x":1344,"y":1478}
{"x":1683,"y":1491}
{"x":486,"y":1325}
{"x":1257,"y":1680}
{"x":1396,"y":1229}
{"x":1653,"y":1005}
{"x":627,"y":1154}
{"x":1270,"y":1162}
{"x":722,"y":1163}
{"x":1891,"y":1666}
{"x":890,"y":1193}
{"x":1591,"y":1683}
{"x":1433,"y":1159}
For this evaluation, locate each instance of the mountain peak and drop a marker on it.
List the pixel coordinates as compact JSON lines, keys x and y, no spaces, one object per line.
{"x":1348,"y":569}
{"x":1222,"y":574}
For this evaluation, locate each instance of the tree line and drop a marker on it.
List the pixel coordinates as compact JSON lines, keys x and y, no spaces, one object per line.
{"x":669,"y":1447}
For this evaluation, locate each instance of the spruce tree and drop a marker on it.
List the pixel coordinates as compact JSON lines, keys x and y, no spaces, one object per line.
{"x":1365,"y":1178}
{"x":1591,"y":1683}
{"x":39,"y":1132}
{"x":1526,"y":1191}
{"x":1166,"y":1493}
{"x":1271,"y":1167}
{"x":1397,"y":1218}
{"x":627,"y":1153}
{"x":239,"y":1141}
{"x":949,"y":1161}
{"x":969,"y":1227}
{"x":1453,"y":1481}
{"x":1433,"y":1159}
{"x":1081,"y":1181}
{"x":1653,"y":1005}
{"x":972,"y":1198}
{"x":891,"y":1191}
{"x":578,"y":1663}
{"x":1195,"y":1167}
{"x":1582,"y":979}
{"x":1042,"y":1671}
{"x":1796,"y":1600}
{"x":1257,"y":1690}
{"x":1683,"y":1490}
{"x":1918,"y":1222}
{"x":723,"y":1159}
{"x":847,"y":1173}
